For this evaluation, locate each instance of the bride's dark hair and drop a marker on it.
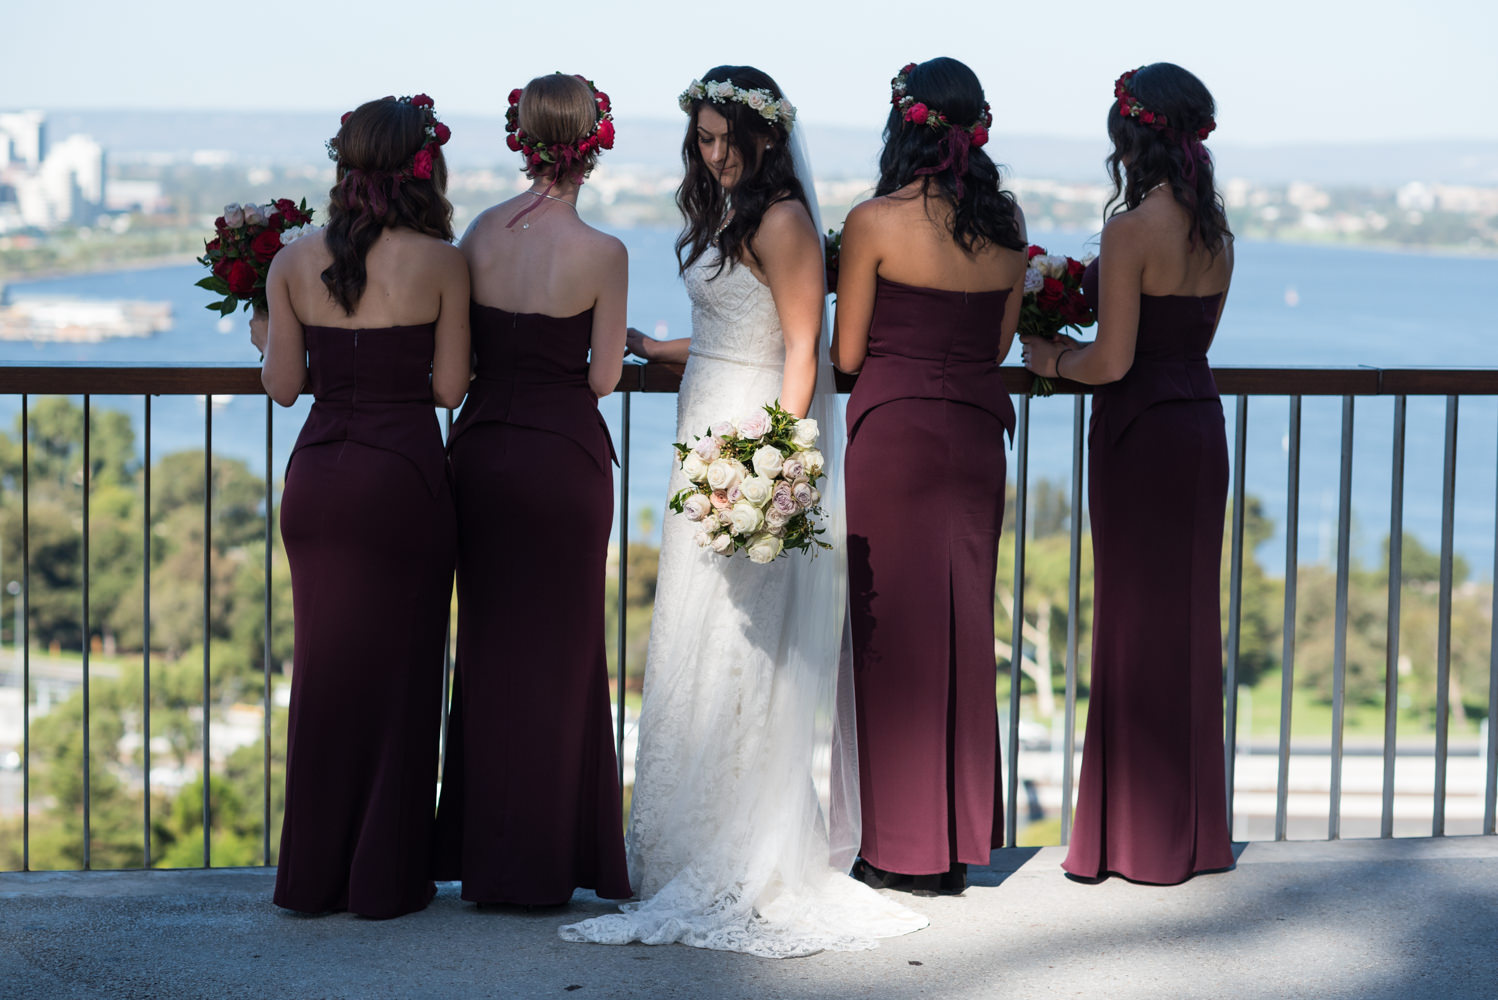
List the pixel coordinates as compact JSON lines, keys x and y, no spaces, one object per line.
{"x":376,"y":189}
{"x":1174,"y":155}
{"x":983,"y":213}
{"x":768,"y":175}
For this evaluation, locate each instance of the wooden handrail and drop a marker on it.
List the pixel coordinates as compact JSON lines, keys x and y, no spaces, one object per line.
{"x":128,"y":379}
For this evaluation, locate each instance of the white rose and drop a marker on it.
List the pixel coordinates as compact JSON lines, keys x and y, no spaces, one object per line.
{"x":722,"y":474}
{"x":722,"y":544}
{"x":254,"y":215}
{"x":723,"y":90}
{"x":695,"y":468}
{"x":1034,"y":280}
{"x":756,"y":490}
{"x":804,"y":433}
{"x":756,"y":99}
{"x":295,"y":233}
{"x":724,"y":429}
{"x":702,"y":538}
{"x":813,"y":461}
{"x":762,"y":548}
{"x":696,"y":507}
{"x":1055,"y":265}
{"x":233,"y":216}
{"x":768,"y":461}
{"x":747,"y":518}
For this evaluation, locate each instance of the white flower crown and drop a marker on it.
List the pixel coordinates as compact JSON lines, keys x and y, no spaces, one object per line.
{"x":770,"y":108}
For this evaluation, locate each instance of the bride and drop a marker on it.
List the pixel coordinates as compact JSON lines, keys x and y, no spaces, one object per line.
{"x":730,"y":845}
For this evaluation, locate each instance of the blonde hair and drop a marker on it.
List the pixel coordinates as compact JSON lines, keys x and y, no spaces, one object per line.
{"x":559,"y":109}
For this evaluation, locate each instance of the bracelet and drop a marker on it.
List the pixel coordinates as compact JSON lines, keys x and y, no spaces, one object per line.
{"x":1063,"y":353}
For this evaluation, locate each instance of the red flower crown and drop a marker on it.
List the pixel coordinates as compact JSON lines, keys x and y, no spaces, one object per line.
{"x":436,"y":133}
{"x":566,"y":155}
{"x":917,"y":113}
{"x":1129,"y":107}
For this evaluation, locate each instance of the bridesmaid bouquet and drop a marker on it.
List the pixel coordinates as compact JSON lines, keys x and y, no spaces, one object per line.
{"x":248,"y":237}
{"x":754,"y":485}
{"x":1053,"y":302}
{"x":832,"y":251}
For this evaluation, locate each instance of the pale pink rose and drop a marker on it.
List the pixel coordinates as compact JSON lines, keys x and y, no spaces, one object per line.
{"x":233,"y":216}
{"x":755,"y":425}
{"x":735,"y":492}
{"x":776,"y":518}
{"x":720,"y":500}
{"x":696,"y":507}
{"x":707,"y":448}
{"x":723,"y":544}
{"x":254,"y":215}
{"x":724,"y":429}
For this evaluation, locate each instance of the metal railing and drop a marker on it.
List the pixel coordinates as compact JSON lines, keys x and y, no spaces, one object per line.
{"x":1242,"y":384}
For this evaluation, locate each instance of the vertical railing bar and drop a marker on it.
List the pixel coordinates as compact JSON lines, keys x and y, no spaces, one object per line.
{"x":25,"y":637}
{"x":1490,"y":803}
{"x":1235,"y":606}
{"x":1391,"y":644}
{"x":145,"y":633}
{"x":447,"y":653}
{"x":270,"y":500}
{"x":1073,"y":609}
{"x":87,"y":759}
{"x":1017,"y":623}
{"x":207,"y":615}
{"x":1287,"y":650}
{"x":621,"y":609}
{"x":1443,"y":623}
{"x":1339,"y":638}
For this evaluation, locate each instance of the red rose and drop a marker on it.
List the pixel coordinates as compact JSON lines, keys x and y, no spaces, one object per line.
{"x":220,"y":224}
{"x":443,"y":133}
{"x":1035,"y":251}
{"x":980,"y":136}
{"x":905,"y":70}
{"x":421,"y":101}
{"x":1074,"y":267}
{"x":1148,"y":117}
{"x":285,"y":206}
{"x":1051,"y":295}
{"x":515,"y":96}
{"x":241,"y":279}
{"x":917,"y":114}
{"x":213,"y":244}
{"x":421,"y":164}
{"x":512,"y":142}
{"x":606,"y":134}
{"x":266,"y":245}
{"x":603,"y":102}
{"x":275,"y":220}
{"x":221,"y":267}
{"x":344,"y":120}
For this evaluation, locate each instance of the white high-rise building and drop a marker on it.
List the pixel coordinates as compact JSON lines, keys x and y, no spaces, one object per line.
{"x":23,"y":138}
{"x":58,"y":185}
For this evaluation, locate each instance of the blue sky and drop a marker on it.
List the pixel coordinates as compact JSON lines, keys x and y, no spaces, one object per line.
{"x":1282,"y":70}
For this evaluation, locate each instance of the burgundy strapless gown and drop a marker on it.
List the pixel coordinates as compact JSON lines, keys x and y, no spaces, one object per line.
{"x":925,"y":501}
{"x":1151,"y":804}
{"x":531,"y":804}
{"x":367,"y":519}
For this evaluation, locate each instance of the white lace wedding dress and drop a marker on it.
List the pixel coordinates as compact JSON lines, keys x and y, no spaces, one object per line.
{"x":728,"y":843}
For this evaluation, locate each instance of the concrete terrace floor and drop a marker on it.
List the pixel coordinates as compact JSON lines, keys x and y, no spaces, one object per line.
{"x":1400,"y":919}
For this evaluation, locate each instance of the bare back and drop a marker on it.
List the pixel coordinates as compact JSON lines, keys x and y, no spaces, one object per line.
{"x":913,"y":240}
{"x":1173,"y":264}
{"x":405,"y":270}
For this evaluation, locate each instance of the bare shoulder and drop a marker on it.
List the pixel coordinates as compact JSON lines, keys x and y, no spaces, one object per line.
{"x":785,"y":222}
{"x":603,"y":246}
{"x":308,"y":251}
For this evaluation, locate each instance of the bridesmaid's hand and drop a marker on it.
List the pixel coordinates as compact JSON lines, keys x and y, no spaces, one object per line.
{"x":1039,"y":355}
{"x":259,"y":329}
{"x":638,"y":344}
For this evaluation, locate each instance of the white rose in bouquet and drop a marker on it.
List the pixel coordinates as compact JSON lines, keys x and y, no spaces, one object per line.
{"x":233,"y":216}
{"x":693,"y":467}
{"x":723,"y":474}
{"x":696,"y":507}
{"x":707,"y":448}
{"x":724,"y":429}
{"x":756,"y":489}
{"x":768,"y":461}
{"x":746,"y":518}
{"x":254,"y":215}
{"x":755,"y":425}
{"x":725,"y":517}
{"x":804,"y":434}
{"x":813,"y":461}
{"x":722,"y":544}
{"x":1034,"y":280}
{"x":762,"y":548}
{"x":703,"y":538}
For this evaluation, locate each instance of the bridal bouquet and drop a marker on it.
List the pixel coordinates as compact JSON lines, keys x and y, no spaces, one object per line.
{"x":248,"y":237}
{"x":754,"y":485}
{"x":1053,"y":301}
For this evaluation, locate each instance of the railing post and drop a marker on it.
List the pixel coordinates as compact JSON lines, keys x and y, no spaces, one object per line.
{"x":1017,"y":622}
{"x":207,"y":617}
{"x":1443,"y":622}
{"x":25,"y":637}
{"x":1391,"y":642}
{"x":1287,"y":649}
{"x":145,"y":633}
{"x":88,"y":785}
{"x":1339,"y":638}
{"x":1073,"y":609}
{"x":1490,"y":796}
{"x":1235,"y":605}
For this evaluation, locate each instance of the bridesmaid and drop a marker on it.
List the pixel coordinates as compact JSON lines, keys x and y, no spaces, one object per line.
{"x":370,"y":314}
{"x":531,"y":804}
{"x":928,"y":301}
{"x":1151,"y":804}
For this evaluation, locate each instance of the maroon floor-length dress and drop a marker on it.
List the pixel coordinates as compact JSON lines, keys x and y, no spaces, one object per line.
{"x":925,"y":502}
{"x":531,"y":804}
{"x":367,"y":519}
{"x":1151,"y":804}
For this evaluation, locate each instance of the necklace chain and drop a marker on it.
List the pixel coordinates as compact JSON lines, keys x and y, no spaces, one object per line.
{"x":727,"y":218}
{"x":550,"y":197}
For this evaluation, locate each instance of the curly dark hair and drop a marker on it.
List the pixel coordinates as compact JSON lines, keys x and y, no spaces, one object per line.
{"x":768,"y":175}
{"x":1144,"y":156}
{"x":375,"y":190}
{"x":983,"y":213}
